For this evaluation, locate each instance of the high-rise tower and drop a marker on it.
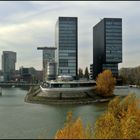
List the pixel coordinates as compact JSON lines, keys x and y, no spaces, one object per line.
{"x":107,"y":45}
{"x":8,"y":64}
{"x":49,"y":64}
{"x":66,"y":41}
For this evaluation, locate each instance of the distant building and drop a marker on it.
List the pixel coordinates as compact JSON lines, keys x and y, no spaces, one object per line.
{"x":51,"y":70}
{"x":107,"y":45}
{"x":66,"y":41}
{"x":91,"y":72}
{"x":39,"y":75}
{"x":27,"y":74}
{"x":48,"y":57}
{"x":8,"y":65}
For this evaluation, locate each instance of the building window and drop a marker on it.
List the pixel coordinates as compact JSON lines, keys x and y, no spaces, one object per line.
{"x":72,"y":54}
{"x":63,"y":62}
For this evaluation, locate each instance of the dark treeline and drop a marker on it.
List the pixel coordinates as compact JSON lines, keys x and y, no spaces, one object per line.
{"x":84,"y":74}
{"x":130,"y":75}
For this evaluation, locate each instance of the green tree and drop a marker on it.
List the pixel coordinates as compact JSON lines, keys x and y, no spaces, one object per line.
{"x":80,"y":72}
{"x":86,"y":74}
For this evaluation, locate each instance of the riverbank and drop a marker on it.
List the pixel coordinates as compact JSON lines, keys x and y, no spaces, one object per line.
{"x":32,"y":97}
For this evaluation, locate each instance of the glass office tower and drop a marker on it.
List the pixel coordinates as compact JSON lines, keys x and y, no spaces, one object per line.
{"x":8,"y":65}
{"x":66,"y":42}
{"x":107,"y":45}
{"x":48,"y":62}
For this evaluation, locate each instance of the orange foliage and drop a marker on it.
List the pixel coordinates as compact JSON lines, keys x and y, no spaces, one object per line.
{"x":120,"y":121}
{"x":105,"y":83}
{"x":106,"y":127}
{"x":130,"y":121}
{"x":72,"y":129}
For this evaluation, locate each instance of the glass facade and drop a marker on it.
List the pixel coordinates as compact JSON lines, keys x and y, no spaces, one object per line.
{"x":113,"y":35}
{"x":48,"y":57}
{"x":112,"y":67}
{"x":66,"y":43}
{"x":8,"y":64}
{"x":107,"y":45}
{"x":113,"y":43}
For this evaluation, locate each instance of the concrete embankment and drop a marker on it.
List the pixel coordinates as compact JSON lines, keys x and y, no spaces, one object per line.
{"x":35,"y":95}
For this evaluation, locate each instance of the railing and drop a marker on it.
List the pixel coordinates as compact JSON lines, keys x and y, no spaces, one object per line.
{"x":18,"y":84}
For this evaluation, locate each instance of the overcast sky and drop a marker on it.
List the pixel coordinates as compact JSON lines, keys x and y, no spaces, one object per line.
{"x":26,"y":25}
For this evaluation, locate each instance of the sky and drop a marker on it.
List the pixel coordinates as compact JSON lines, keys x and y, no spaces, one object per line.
{"x":26,"y":25}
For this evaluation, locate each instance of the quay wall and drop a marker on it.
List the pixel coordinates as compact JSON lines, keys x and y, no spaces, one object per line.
{"x":35,"y":95}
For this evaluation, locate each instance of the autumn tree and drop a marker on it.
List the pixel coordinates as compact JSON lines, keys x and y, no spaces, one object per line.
{"x":74,"y":129}
{"x":105,"y":83}
{"x":121,"y":120}
{"x":131,"y":75}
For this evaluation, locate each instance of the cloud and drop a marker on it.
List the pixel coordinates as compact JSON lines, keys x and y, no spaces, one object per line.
{"x":24,"y":38}
{"x":28,"y":24}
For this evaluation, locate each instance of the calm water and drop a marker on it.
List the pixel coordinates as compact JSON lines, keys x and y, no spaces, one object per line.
{"x":19,"y":119}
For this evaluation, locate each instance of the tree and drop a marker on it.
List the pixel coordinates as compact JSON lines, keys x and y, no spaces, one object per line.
{"x":105,"y":83}
{"x":131,"y":75}
{"x":72,"y":129}
{"x":80,"y":73}
{"x":106,"y":127}
{"x":121,"y":120}
{"x":86,"y":73}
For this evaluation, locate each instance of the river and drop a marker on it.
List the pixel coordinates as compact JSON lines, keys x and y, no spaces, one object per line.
{"x":21,"y":120}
